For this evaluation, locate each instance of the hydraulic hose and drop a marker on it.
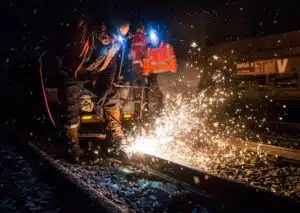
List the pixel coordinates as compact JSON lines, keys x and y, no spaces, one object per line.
{"x":44,"y":91}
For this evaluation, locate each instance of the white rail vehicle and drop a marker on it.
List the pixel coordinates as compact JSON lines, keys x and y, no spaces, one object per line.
{"x":271,"y":61}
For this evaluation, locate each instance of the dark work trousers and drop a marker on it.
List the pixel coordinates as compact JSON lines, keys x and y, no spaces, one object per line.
{"x":136,"y":74}
{"x":69,"y":93}
{"x":104,"y":88}
{"x":69,"y":96}
{"x":138,"y":80}
{"x":154,"y":96}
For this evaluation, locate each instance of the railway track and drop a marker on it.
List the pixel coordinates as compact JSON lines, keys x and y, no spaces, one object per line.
{"x":286,"y":154}
{"x":154,"y":193}
{"x":170,"y":187}
{"x":237,"y":196}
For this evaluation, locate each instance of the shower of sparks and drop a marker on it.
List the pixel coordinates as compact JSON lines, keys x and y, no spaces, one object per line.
{"x":215,"y":57}
{"x":193,"y":128}
{"x":188,"y":130}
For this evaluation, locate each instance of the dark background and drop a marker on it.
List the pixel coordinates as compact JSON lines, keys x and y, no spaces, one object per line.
{"x":29,"y":26}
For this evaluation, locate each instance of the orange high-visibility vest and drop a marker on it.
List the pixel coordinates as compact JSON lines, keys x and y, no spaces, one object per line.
{"x":159,"y":60}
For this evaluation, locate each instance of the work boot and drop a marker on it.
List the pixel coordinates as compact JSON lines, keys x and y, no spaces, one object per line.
{"x":75,"y":152}
{"x":114,"y":125}
{"x":116,"y":134}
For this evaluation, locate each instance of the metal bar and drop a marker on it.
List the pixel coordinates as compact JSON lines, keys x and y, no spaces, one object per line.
{"x":287,"y":153}
{"x":142,"y":104}
{"x":129,"y":86}
{"x":290,"y":138}
{"x":98,"y":136}
{"x":122,"y":59}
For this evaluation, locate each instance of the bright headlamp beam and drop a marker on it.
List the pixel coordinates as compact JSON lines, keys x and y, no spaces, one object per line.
{"x":121,"y":38}
{"x":153,"y":37}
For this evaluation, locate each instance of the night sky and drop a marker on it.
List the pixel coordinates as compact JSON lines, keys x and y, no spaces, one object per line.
{"x":28,"y":25}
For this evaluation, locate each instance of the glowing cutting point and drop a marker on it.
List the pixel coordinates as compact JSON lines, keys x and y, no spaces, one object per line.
{"x":194,"y":44}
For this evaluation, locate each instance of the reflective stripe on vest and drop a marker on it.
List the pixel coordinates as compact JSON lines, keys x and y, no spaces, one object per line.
{"x":138,"y":44}
{"x":158,"y":63}
{"x":162,"y":70}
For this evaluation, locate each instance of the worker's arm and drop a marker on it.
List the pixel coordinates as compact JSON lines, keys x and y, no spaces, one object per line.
{"x":99,"y":62}
{"x":111,"y":53}
{"x":92,"y":62}
{"x":106,"y":61}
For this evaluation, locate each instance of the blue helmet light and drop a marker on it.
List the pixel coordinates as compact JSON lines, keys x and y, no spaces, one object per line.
{"x":153,"y":37}
{"x":121,"y":38}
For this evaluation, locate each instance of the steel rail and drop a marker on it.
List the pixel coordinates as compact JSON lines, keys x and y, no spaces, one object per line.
{"x":96,"y":197}
{"x":237,"y":197}
{"x":96,"y":201}
{"x":233,"y":196}
{"x":276,"y":151}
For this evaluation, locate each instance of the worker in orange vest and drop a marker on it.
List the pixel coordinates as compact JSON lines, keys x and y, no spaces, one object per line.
{"x":159,"y":58}
{"x":138,"y":47}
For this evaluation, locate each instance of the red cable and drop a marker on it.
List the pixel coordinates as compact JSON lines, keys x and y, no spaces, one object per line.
{"x":45,"y":96}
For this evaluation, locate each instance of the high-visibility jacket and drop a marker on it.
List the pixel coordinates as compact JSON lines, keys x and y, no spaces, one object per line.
{"x":160,"y":59}
{"x":139,"y":43}
{"x":97,"y":50}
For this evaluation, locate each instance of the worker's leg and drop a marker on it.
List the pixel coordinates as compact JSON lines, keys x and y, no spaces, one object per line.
{"x":69,"y":98}
{"x":139,"y":81}
{"x":125,"y":93}
{"x":111,"y":97}
{"x":113,"y":115}
{"x":136,"y":73}
{"x":155,"y":97}
{"x":116,"y":135}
